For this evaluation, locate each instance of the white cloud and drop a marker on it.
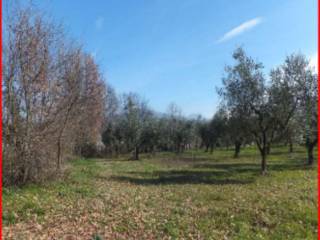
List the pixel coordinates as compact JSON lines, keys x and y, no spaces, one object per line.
{"x":99,"y":23}
{"x":314,"y":61}
{"x":240,"y":29}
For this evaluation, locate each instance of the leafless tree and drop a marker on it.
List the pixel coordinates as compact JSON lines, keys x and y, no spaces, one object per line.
{"x":50,"y":88}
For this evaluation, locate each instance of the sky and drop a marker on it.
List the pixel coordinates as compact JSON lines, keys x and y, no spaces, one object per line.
{"x":176,"y":50}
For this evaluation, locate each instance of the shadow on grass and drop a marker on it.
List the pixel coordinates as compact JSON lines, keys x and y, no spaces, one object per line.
{"x":247,"y":167}
{"x":207,"y":173}
{"x":181,"y":178}
{"x":183,"y":160}
{"x":218,"y":177}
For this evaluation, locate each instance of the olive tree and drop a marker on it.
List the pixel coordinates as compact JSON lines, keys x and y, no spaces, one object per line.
{"x":266,"y":108}
{"x":136,"y":113}
{"x":305,"y":82}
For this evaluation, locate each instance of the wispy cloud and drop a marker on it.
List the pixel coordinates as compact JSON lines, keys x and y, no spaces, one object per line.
{"x":240,"y":29}
{"x":99,"y":23}
{"x":314,"y":62}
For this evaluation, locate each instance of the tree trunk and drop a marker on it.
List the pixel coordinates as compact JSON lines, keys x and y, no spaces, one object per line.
{"x":237,"y":146}
{"x":263,"y":161}
{"x":310,"y":145}
{"x":310,"y":154}
{"x":25,"y":174}
{"x":290,"y":147}
{"x":263,"y":148}
{"x":211,"y":149}
{"x":117,"y":151}
{"x":59,"y":155}
{"x":61,"y":133}
{"x":136,"y":153}
{"x":207,"y":148}
{"x":268,"y":149}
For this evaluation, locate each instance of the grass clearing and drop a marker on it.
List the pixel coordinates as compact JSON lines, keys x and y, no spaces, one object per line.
{"x":192,"y":196}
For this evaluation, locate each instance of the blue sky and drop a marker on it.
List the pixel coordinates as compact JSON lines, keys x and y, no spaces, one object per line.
{"x":176,"y":50}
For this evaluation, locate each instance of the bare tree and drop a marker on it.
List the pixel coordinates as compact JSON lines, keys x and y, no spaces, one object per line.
{"x":43,"y":91}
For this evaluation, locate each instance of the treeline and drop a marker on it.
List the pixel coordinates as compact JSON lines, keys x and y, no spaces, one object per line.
{"x":56,"y":105}
{"x":254,"y":110}
{"x":132,"y":127}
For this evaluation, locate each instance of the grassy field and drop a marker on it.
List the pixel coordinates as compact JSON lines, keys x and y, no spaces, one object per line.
{"x":192,"y":196}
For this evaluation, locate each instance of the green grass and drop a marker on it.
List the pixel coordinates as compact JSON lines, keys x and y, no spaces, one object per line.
{"x":195,"y":195}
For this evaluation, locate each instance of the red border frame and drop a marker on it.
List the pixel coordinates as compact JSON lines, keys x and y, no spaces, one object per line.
{"x":1,"y":121}
{"x":318,"y":8}
{"x":318,"y":121}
